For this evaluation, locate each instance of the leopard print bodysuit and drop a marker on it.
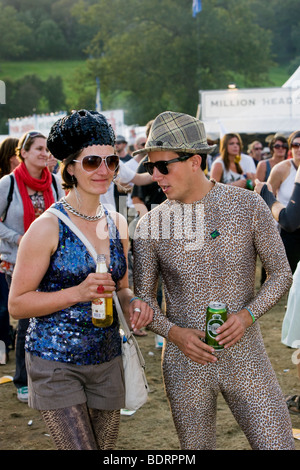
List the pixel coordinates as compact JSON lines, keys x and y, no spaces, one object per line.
{"x":207,"y":251}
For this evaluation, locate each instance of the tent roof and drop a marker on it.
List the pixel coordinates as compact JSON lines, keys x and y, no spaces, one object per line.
{"x":294,"y":80}
{"x":252,"y":110}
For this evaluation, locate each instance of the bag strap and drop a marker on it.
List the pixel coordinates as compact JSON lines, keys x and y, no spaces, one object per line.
{"x":54,"y":182}
{"x":11,"y":190}
{"x":93,"y":253}
{"x":10,"y":195}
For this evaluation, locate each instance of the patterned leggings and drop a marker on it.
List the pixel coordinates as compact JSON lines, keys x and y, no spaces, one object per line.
{"x":244,"y":376}
{"x":80,"y":428}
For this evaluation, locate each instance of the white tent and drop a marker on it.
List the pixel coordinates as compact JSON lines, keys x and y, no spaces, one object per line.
{"x":294,"y":80}
{"x":252,"y":110}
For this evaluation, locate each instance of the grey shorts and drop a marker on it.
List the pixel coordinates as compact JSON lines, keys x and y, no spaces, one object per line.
{"x":53,"y":385}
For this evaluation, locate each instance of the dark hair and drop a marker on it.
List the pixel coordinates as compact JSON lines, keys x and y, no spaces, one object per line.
{"x":292,"y":137}
{"x":202,"y":155}
{"x":7,"y":150}
{"x":224,"y":150}
{"x":68,"y":181}
{"x":282,"y":139}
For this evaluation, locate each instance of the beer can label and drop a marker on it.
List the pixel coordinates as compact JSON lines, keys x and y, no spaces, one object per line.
{"x":216,"y":316}
{"x":213,"y":324}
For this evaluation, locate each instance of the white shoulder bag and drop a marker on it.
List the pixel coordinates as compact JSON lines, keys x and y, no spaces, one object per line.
{"x":136,"y":385}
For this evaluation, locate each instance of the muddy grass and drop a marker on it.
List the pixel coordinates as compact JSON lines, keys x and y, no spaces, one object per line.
{"x":150,"y":428}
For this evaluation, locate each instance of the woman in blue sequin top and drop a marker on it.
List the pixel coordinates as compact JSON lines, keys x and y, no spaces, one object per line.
{"x":75,"y":368}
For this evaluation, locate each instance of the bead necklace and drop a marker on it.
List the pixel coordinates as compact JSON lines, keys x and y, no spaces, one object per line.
{"x":83,"y":216}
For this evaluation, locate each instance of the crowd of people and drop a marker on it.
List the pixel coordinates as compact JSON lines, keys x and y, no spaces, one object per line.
{"x":179,"y":217}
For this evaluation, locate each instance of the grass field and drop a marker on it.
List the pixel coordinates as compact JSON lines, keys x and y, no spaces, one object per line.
{"x":278,"y":76}
{"x":42,"y":69}
{"x":14,"y":70}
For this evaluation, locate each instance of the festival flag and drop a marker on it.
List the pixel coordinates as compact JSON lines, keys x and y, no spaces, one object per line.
{"x":197,"y":7}
{"x":98,"y":97}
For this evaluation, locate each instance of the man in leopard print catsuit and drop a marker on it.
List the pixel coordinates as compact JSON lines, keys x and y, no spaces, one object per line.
{"x":204,"y":241}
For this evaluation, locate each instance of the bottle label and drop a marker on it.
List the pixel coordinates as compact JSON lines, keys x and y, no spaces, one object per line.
{"x":98,"y":309}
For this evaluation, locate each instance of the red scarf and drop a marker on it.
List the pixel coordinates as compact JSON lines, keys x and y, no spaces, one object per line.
{"x":23,"y":179}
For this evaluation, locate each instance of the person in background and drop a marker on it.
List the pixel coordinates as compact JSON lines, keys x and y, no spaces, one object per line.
{"x":232,"y":166}
{"x":204,"y":241}
{"x":75,"y":369}
{"x":145,"y":198}
{"x":288,"y":219}
{"x":133,"y":164}
{"x":255,"y":151}
{"x":278,"y":151}
{"x":282,"y":176}
{"x":211,"y":157}
{"x":34,"y":190}
{"x":281,"y":179}
{"x":8,"y":158}
{"x":124,"y":156}
{"x":8,"y":162}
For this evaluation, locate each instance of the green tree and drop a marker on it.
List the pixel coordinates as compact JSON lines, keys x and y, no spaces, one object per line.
{"x":50,"y":41}
{"x":30,"y":95}
{"x":13,"y":33}
{"x":158,"y":56}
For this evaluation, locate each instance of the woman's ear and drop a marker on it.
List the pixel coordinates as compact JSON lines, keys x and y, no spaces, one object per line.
{"x":23,"y":153}
{"x":70,"y":169}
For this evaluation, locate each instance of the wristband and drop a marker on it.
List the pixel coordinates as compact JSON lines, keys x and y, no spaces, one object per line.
{"x":133,"y":299}
{"x":252,"y":316}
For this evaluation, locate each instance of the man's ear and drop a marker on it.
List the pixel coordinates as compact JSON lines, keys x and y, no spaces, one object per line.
{"x":196,"y":161}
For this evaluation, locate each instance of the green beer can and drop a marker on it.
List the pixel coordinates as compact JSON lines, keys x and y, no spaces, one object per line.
{"x":216,"y":315}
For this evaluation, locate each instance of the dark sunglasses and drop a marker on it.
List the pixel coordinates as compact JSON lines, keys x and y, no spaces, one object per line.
{"x":295,"y":145}
{"x":162,"y":165}
{"x":257,"y":148}
{"x":92,"y":162}
{"x":280,"y":146}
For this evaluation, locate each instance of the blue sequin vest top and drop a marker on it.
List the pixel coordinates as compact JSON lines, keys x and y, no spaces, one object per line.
{"x":69,"y":335}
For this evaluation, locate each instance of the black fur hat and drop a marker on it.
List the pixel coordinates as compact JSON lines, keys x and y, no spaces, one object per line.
{"x":77,"y":131}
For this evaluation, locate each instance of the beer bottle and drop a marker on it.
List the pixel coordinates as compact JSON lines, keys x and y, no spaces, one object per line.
{"x":102,"y":308}
{"x":249,"y":184}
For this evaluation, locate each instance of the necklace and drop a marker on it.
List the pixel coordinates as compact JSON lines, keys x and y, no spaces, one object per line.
{"x":83,"y":216}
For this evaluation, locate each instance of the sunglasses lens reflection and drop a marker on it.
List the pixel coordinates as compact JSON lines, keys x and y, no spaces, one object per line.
{"x":112,"y":162}
{"x":161,"y":166}
{"x":92,"y":162}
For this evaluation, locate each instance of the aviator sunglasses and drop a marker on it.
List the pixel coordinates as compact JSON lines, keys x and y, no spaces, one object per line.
{"x":162,"y":165}
{"x":92,"y":162}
